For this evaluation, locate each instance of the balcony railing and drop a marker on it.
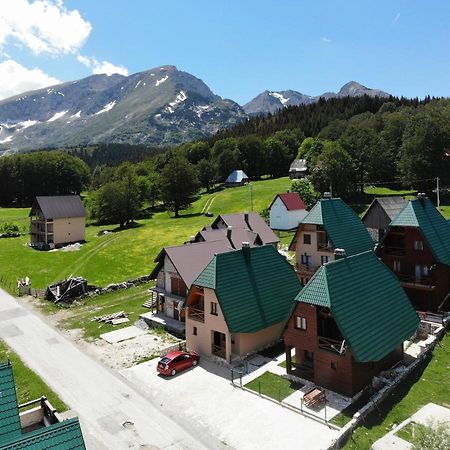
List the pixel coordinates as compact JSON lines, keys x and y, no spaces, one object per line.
{"x":395,"y":251}
{"x":331,"y":345}
{"x":324,"y":247}
{"x":196,"y":314}
{"x":420,"y":282}
{"x":304,"y":268}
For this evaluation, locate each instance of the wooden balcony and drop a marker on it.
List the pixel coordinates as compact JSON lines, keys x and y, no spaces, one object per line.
{"x":196,"y":314}
{"x":419,"y":283}
{"x":324,"y":247}
{"x":306,"y":269}
{"x":394,"y":251}
{"x":331,"y":345}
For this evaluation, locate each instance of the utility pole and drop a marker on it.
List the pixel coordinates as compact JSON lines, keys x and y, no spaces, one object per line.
{"x":437,"y":193}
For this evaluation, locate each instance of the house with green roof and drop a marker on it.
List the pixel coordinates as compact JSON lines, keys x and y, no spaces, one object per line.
{"x":331,"y":224}
{"x":15,"y":426}
{"x":349,"y":323}
{"x":239,"y":302}
{"x":416,"y":247}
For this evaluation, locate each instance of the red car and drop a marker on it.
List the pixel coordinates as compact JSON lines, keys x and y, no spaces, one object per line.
{"x":177,"y":361}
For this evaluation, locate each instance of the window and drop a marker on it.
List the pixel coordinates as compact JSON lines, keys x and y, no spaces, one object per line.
{"x":214,"y":308}
{"x":307,"y":239}
{"x":418,"y":246}
{"x":324,"y":259}
{"x":333,"y":365}
{"x":300,"y":323}
{"x":194,"y":331}
{"x":397,"y":266}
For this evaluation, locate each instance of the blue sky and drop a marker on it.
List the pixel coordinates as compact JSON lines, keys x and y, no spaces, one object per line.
{"x":239,"y":48}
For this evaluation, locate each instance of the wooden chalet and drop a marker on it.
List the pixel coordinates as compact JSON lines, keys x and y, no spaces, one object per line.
{"x":250,"y":221}
{"x":330,"y":225}
{"x":237,"y":178}
{"x":381,"y":212}
{"x":57,"y":220}
{"x":416,"y":247}
{"x":239,"y":303}
{"x":298,"y":169}
{"x":349,"y":323}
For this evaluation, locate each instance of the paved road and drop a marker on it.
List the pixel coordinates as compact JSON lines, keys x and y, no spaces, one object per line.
{"x":103,"y":400}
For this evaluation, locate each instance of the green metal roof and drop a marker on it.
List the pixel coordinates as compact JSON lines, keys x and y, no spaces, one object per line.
{"x":62,"y":436}
{"x":255,"y":287}
{"x":343,"y":226}
{"x":9,"y":411}
{"x":367,"y":302}
{"x":421,"y":213}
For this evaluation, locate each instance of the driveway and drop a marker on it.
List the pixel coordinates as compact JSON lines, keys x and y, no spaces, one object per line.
{"x":204,"y":395}
{"x":103,"y":400}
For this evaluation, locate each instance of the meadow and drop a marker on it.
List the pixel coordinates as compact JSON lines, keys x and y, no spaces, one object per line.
{"x":125,"y":254}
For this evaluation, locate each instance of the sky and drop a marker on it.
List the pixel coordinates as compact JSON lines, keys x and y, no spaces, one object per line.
{"x":239,"y":48}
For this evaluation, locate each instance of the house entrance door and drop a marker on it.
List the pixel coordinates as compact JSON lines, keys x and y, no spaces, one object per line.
{"x":219,"y":344}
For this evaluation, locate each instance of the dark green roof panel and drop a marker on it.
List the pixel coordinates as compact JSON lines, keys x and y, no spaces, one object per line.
{"x":9,"y":411}
{"x":421,"y":213}
{"x":61,"y":436}
{"x":343,"y":226}
{"x":367,"y":302}
{"x":255,"y":287}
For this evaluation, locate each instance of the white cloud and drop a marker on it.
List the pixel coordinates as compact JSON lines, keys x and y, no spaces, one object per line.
{"x":101,"y":66}
{"x":15,"y":78}
{"x":326,"y":40}
{"x":42,"y":26}
{"x":395,"y":18}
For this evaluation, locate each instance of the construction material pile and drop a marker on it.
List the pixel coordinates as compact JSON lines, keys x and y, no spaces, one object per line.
{"x":115,"y":318}
{"x":66,"y":290}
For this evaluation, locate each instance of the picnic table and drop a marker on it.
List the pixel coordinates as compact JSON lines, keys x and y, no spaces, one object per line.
{"x":314,"y":396}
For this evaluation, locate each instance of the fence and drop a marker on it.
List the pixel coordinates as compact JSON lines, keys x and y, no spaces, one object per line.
{"x":237,"y":375}
{"x":178,"y":346}
{"x":9,"y":285}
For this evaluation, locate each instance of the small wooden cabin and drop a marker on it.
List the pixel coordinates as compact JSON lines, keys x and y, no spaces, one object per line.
{"x":349,"y":323}
{"x":237,"y":178}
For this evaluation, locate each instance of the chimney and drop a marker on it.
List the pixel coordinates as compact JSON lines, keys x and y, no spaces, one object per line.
{"x":229,"y":231}
{"x":327,"y":195}
{"x":246,"y":250}
{"x":247,"y":222}
{"x":339,"y":253}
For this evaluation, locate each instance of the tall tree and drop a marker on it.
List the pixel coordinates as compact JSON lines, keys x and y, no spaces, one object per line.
{"x":306,"y":191}
{"x":179,"y":182}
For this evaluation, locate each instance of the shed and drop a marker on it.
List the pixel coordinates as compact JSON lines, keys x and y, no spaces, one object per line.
{"x":298,"y":169}
{"x":381,"y":212}
{"x":286,"y":211}
{"x":237,"y":178}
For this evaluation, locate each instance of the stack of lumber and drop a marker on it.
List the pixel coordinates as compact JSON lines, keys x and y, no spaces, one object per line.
{"x":115,"y":318}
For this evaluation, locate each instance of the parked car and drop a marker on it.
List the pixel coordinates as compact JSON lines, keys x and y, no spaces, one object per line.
{"x":177,"y":361}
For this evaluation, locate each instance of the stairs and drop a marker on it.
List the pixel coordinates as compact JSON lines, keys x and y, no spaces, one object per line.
{"x":149,"y":304}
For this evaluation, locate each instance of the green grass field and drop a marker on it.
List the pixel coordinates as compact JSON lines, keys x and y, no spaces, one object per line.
{"x":28,"y":385}
{"x":129,"y":253}
{"x":380,"y":191}
{"x":272,"y":385}
{"x":429,"y":385}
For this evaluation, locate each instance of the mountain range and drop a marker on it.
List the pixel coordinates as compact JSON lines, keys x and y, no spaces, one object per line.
{"x":271,"y":101}
{"x":159,"y":107}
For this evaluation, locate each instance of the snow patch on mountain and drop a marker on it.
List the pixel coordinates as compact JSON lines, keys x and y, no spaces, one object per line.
{"x":57,"y":116}
{"x":26,"y":124}
{"x":138,"y":83}
{"x":77,"y":115}
{"x":106,"y":108}
{"x":8,"y":139}
{"x":181,"y":97}
{"x":280,"y":97}
{"x":161,"y":80}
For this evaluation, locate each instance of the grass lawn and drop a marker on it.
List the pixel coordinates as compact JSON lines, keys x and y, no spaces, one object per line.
{"x":28,"y":385}
{"x":128,"y":300}
{"x":374,"y":190}
{"x":272,"y":385}
{"x":129,"y":253}
{"x":429,"y":384}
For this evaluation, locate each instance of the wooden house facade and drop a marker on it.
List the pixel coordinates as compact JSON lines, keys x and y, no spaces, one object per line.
{"x":332,"y":337}
{"x":416,"y":248}
{"x":286,"y":211}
